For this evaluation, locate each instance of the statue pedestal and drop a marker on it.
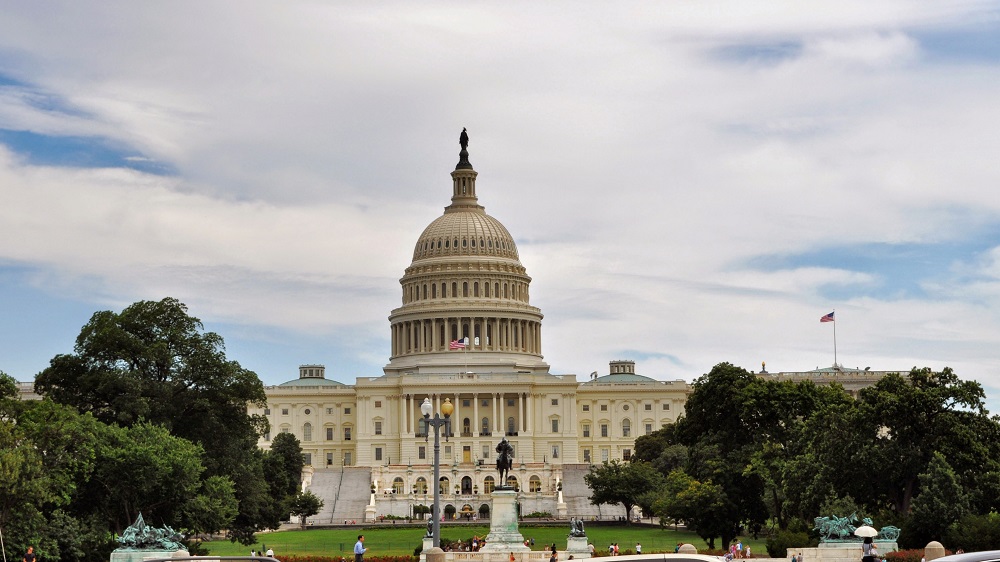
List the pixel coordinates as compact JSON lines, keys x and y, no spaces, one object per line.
{"x":504,"y":536}
{"x":121,"y":555}
{"x":577,"y":547}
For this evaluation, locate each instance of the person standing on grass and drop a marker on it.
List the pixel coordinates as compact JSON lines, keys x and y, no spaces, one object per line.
{"x":359,"y":549}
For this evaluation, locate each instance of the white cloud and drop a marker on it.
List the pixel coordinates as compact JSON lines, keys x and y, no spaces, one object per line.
{"x":642,"y":173}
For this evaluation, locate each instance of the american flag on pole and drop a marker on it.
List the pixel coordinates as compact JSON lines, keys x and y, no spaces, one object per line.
{"x":456,"y":344}
{"x":827,"y":318}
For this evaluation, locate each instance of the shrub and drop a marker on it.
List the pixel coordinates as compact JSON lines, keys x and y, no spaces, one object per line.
{"x":778,"y":544}
{"x":910,"y":555}
{"x":539,"y":514}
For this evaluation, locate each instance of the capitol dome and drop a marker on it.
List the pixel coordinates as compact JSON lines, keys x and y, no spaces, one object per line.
{"x":465,"y":294}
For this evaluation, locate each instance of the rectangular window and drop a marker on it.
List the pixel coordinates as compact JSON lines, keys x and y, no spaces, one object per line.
{"x":666,"y":407}
{"x":604,"y":407}
{"x":267,"y":436}
{"x":604,"y":430}
{"x":284,"y":430}
{"x":378,"y":453}
{"x":347,"y":434}
{"x":421,"y":452}
{"x":555,"y":426}
{"x":307,"y":459}
{"x":347,"y":458}
{"x":604,"y":455}
{"x":267,"y":411}
{"x":649,"y":428}
{"x":586,"y":455}
{"x":648,"y":407}
{"x":447,"y":451}
{"x":485,"y":403}
{"x":329,"y":434}
{"x":378,"y":428}
{"x":586,"y":407}
{"x":378,"y":403}
{"x":347,"y":411}
{"x":586,"y":430}
{"x":329,"y":459}
{"x":329,"y":411}
{"x":510,"y":401}
{"x":626,"y":454}
{"x":284,"y":411}
{"x":555,"y":401}
{"x":486,"y":451}
{"x":555,"y":451}
{"x":466,"y":403}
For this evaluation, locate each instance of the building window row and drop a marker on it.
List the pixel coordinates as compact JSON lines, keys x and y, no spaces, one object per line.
{"x":439,"y":246}
{"x":413,"y":292}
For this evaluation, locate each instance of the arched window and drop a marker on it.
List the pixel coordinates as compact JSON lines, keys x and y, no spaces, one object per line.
{"x":510,"y":425}
{"x":496,"y":290}
{"x":425,"y":291}
{"x":512,"y":482}
{"x":465,"y":288}
{"x":443,"y":485}
{"x":534,"y":484}
{"x":420,"y":486}
{"x":475,"y":289}
{"x":466,"y":425}
{"x":489,"y":484}
{"x":307,"y":432}
{"x":486,"y":289}
{"x":444,"y":290}
{"x":626,"y":428}
{"x":466,"y":485}
{"x":486,"y":426}
{"x":397,"y":485}
{"x":454,"y":290}
{"x":434,"y":291}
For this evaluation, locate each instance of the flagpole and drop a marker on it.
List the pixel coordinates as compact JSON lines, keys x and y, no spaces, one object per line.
{"x":835,"y":338}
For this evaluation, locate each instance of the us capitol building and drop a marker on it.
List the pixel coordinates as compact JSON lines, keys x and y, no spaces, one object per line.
{"x":366,"y":446}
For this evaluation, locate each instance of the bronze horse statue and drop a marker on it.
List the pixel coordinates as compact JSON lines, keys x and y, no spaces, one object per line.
{"x":505,"y":460}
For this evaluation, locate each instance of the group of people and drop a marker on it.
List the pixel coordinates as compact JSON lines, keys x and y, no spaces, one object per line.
{"x":736,"y":551}
{"x":269,"y":553}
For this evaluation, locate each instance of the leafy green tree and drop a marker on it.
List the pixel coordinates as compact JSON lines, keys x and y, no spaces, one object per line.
{"x":941,"y":502}
{"x":153,"y":363}
{"x":621,"y":482}
{"x":285,"y":456}
{"x":974,"y":533}
{"x":701,"y":506}
{"x":305,"y":505}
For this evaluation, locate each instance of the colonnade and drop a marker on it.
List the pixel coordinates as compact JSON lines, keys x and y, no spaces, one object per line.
{"x":496,"y":412}
{"x":484,"y":333}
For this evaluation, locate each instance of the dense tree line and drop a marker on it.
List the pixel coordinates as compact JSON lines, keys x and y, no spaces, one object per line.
{"x":917,"y":450}
{"x":146,"y":415}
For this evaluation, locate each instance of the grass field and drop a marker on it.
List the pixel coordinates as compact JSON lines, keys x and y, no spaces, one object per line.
{"x":386,"y":540}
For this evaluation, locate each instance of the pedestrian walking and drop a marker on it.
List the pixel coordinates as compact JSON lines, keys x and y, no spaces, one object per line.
{"x":359,"y":549}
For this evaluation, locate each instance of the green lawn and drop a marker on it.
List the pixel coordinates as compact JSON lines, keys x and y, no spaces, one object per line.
{"x":402,"y":540}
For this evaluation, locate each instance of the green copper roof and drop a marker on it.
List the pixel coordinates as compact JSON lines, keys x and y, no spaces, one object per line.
{"x":311,"y":381}
{"x":621,"y":377}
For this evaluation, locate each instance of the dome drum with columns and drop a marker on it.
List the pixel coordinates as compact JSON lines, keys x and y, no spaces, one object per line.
{"x":465,"y":281}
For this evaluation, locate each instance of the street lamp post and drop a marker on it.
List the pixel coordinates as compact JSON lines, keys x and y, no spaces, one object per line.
{"x":437,"y":422}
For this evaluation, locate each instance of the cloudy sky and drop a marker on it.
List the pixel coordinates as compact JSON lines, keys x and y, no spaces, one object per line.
{"x":687,"y":182}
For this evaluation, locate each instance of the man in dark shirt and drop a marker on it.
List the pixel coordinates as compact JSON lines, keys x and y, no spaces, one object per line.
{"x":30,"y":556}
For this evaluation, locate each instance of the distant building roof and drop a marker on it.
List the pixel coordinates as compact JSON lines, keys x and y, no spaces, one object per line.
{"x":621,"y":377}
{"x":311,"y":382}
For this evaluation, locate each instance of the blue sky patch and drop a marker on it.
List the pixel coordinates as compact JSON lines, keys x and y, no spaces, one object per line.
{"x":78,"y":152}
{"x":758,"y":53}
{"x":901,"y":270}
{"x":979,"y":42}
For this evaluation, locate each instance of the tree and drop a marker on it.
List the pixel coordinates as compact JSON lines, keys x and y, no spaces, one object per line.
{"x":942,"y":502}
{"x":701,"y":506}
{"x":153,"y":363}
{"x":285,"y":458}
{"x":304,"y":505}
{"x":622,"y":482}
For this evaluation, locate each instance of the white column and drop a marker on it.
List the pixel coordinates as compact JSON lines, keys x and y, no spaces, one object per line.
{"x":475,"y":413}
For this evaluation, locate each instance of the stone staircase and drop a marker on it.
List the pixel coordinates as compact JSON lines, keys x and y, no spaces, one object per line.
{"x":576,"y":494}
{"x":353,"y":494}
{"x":326,"y":485}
